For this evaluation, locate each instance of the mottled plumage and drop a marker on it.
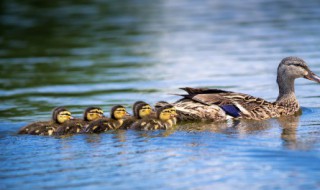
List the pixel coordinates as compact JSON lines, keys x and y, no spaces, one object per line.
{"x":115,"y":121}
{"x":161,"y":104}
{"x":217,"y":105}
{"x":162,"y":121}
{"x":79,"y":125}
{"x":60,"y":115}
{"x":140,"y":110}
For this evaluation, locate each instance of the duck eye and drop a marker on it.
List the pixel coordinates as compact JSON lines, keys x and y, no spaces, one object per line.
{"x":65,"y":113}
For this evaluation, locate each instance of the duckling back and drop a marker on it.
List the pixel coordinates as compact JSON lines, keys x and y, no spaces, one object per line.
{"x":147,"y":124}
{"x":102,"y":125}
{"x":39,"y":128}
{"x":71,"y":127}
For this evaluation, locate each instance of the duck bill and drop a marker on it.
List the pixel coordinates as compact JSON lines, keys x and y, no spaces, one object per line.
{"x":313,"y":77}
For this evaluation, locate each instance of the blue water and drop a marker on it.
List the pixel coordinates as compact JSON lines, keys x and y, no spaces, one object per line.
{"x":104,"y":53}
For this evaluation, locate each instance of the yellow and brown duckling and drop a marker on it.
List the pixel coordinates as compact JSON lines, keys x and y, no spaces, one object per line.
{"x":115,"y":121}
{"x":60,"y":115}
{"x":140,"y":110}
{"x":161,"y":104}
{"x":79,"y":125}
{"x":164,"y":120}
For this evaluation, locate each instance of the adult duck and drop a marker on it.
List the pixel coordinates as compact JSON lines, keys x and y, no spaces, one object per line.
{"x":216,"y":105}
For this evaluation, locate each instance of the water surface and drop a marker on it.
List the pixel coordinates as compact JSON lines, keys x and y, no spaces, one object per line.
{"x":81,"y":53}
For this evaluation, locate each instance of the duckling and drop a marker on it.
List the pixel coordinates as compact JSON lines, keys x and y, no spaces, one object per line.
{"x":117,"y":114}
{"x":162,"y":121}
{"x":160,"y":104}
{"x":140,"y":110}
{"x":60,"y":115}
{"x":78,"y":125}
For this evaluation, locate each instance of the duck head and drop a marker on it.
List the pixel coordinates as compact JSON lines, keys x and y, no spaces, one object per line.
{"x":166,"y":113}
{"x":143,"y":110}
{"x":118,"y":112}
{"x":291,"y":68}
{"x":134,"y":107}
{"x":92,"y":113}
{"x":61,"y":115}
{"x":160,"y":104}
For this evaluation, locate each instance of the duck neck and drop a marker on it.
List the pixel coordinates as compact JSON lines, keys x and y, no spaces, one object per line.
{"x":286,"y":90}
{"x":120,"y":121}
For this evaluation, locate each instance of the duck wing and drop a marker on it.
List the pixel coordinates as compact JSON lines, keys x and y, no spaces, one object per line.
{"x":234,"y":104}
{"x":190,"y":90}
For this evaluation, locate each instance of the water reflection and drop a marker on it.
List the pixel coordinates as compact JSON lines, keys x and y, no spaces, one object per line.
{"x":242,"y":128}
{"x":289,"y":131}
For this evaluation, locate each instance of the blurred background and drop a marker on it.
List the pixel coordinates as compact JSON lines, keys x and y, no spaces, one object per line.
{"x":78,"y":53}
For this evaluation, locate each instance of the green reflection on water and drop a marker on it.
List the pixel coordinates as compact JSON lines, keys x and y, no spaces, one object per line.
{"x":55,"y":49}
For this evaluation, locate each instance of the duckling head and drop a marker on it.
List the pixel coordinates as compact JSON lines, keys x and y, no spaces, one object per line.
{"x":143,"y":110}
{"x":173,"y":112}
{"x":92,"y":113}
{"x":61,"y":115}
{"x":134,"y":107}
{"x":165,"y":113}
{"x":291,"y":68}
{"x":118,"y":112}
{"x":160,"y":104}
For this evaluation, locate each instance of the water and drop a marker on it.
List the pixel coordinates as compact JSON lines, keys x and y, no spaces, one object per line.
{"x":81,"y":53}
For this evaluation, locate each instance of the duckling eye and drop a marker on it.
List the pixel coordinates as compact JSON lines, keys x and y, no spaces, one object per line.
{"x":146,"y":108}
{"x":96,"y":111}
{"x":65,"y":113}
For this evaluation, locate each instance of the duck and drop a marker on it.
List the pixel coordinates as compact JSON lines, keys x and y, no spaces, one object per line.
{"x":204,"y":104}
{"x":160,"y":104}
{"x":162,"y":121}
{"x":117,"y":114}
{"x":90,"y":114}
{"x":140,"y":110}
{"x":60,"y":115}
